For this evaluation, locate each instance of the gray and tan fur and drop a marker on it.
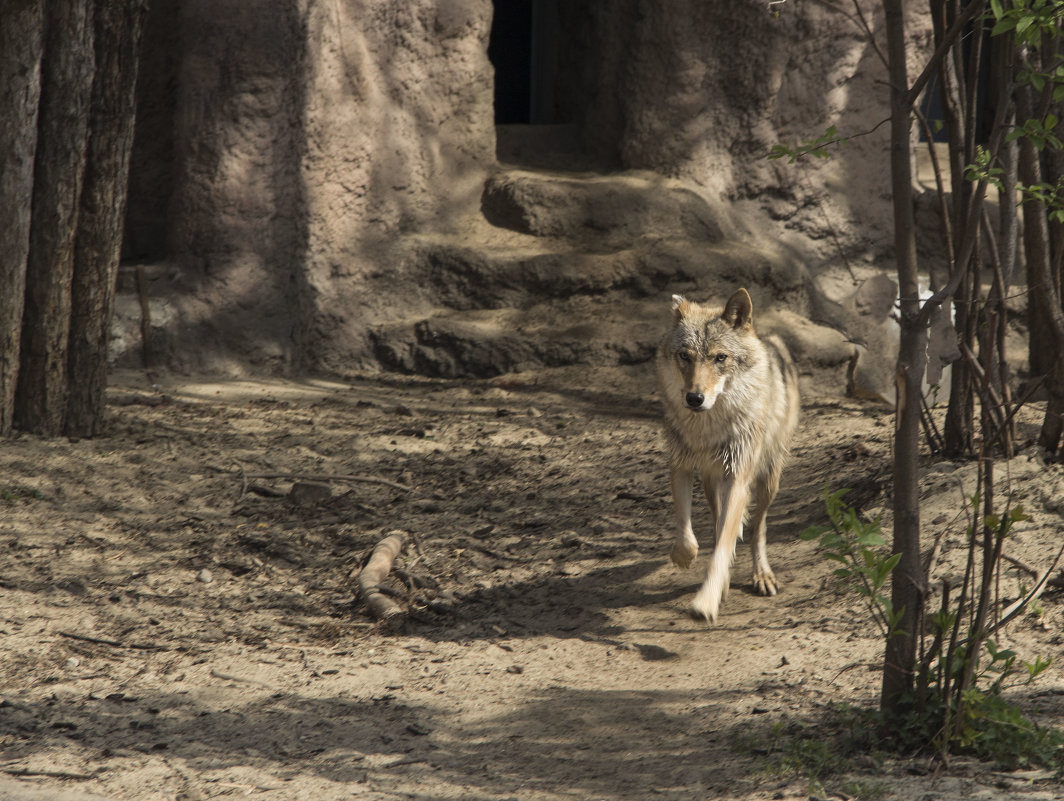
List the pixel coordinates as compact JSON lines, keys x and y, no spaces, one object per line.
{"x":731,"y":407}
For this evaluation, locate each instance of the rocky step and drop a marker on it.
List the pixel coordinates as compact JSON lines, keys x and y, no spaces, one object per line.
{"x":597,"y":332}
{"x":460,"y":276}
{"x":578,"y":269}
{"x":616,"y":207}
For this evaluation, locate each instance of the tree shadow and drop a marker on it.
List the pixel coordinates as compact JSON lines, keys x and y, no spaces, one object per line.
{"x":598,"y":743}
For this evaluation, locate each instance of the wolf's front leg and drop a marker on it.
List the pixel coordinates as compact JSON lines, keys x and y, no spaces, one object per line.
{"x":765,"y":582}
{"x":729,"y":529}
{"x":685,"y":547}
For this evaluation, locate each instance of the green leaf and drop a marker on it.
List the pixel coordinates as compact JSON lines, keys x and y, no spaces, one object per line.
{"x":1038,"y":667}
{"x":871,"y":539}
{"x":832,"y":541}
{"x":944,"y":620}
{"x":1003,"y":26}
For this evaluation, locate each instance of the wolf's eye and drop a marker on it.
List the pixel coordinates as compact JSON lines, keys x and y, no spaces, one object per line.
{"x":683,"y":356}
{"x":720,"y":358}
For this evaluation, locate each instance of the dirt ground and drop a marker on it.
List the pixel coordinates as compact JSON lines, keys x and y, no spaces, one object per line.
{"x":176,"y":625}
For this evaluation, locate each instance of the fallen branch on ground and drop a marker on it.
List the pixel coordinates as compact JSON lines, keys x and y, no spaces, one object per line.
{"x":376,"y":571}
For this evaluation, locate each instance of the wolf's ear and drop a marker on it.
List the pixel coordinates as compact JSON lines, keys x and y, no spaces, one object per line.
{"x":739,"y":311}
{"x":681,"y":306}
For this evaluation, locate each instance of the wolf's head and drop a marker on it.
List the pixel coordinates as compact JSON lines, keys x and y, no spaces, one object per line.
{"x":704,"y":351}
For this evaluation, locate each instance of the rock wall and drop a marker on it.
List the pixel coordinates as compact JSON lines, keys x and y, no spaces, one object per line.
{"x":703,"y":94}
{"x":284,"y":147}
{"x":237,"y":227}
{"x":300,"y":166}
{"x":400,"y":135}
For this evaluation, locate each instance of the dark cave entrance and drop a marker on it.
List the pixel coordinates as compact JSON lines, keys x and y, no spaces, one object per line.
{"x":523,"y":50}
{"x":550,"y":59}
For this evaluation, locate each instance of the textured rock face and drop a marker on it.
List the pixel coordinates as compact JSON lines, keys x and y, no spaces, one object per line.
{"x":322,"y":183}
{"x":400,"y":134}
{"x":237,"y":222}
{"x":303,"y":139}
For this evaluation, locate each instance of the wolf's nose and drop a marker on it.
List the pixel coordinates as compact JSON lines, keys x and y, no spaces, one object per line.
{"x":695,"y":399}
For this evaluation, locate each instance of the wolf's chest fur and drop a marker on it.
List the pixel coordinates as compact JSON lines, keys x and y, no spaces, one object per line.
{"x":723,"y":434}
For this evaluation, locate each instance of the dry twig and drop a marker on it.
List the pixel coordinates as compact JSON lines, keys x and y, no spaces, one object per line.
{"x":327,"y":478}
{"x":147,"y":646}
{"x":220,"y":674}
{"x":1018,"y":606}
{"x":15,"y":770}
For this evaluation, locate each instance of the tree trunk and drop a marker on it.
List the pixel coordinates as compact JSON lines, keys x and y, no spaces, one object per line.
{"x":118,"y":27}
{"x":1046,"y":314}
{"x":907,"y":584}
{"x":959,"y":71}
{"x":20,"y":58}
{"x":1004,"y":56}
{"x":1053,"y":165}
{"x":958,"y":430}
{"x":1053,"y":423}
{"x":66,"y":82}
{"x":1041,"y":305}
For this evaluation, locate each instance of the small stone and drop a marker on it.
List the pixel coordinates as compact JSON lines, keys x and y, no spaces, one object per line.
{"x":205,"y":576}
{"x":74,"y":586}
{"x":309,"y":493}
{"x":570,"y":539}
{"x":72,"y":663}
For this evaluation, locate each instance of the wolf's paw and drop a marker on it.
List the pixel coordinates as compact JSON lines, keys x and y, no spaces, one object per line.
{"x":684,"y":553}
{"x":704,"y":609}
{"x":707,"y":600}
{"x":765,"y":583}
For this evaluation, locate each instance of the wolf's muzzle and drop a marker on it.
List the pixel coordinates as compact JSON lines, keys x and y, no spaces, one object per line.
{"x":695,"y":400}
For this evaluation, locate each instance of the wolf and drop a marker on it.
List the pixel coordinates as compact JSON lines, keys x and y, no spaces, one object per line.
{"x":731,"y":407}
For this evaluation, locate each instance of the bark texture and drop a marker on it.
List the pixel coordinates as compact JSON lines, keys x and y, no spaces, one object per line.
{"x":66,"y":84}
{"x":101,"y":214}
{"x":20,"y":57}
{"x":907,"y":586}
